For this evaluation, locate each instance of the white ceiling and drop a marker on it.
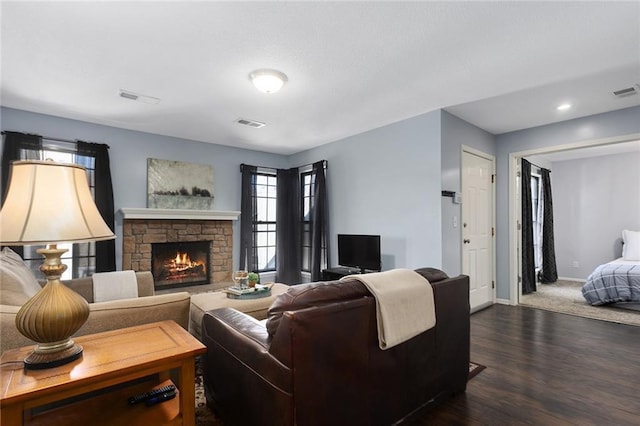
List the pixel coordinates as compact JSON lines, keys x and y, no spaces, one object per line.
{"x":351,"y":66}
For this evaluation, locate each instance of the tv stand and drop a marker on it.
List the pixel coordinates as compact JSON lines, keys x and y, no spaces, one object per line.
{"x":338,"y":272}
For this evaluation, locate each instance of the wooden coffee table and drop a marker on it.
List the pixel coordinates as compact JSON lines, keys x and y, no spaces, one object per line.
{"x":95,"y":388}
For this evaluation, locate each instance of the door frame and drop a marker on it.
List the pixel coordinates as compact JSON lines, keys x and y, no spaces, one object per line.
{"x":515,"y":214}
{"x":473,"y":151}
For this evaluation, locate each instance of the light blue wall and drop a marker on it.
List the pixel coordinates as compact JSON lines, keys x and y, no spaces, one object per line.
{"x":594,"y":199}
{"x":596,"y":127}
{"x":129,"y":151}
{"x":455,"y":133}
{"x":387,"y":181}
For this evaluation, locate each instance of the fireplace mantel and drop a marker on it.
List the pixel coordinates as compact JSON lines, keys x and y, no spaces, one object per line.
{"x":176,"y":214}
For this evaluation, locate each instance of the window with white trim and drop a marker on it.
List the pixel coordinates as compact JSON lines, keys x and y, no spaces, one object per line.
{"x":264,"y":223}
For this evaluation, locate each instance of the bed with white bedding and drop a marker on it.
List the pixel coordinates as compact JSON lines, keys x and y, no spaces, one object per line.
{"x":613,"y":282}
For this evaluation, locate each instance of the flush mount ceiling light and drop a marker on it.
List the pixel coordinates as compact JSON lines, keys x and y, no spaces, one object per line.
{"x":268,"y":81}
{"x":563,"y":107}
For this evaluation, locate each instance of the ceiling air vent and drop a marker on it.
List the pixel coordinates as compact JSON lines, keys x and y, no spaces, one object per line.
{"x":138,"y":97}
{"x":628,"y":91}
{"x":250,"y":123}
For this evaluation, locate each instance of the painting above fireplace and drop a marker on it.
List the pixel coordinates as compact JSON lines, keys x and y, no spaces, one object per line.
{"x":180,"y":264}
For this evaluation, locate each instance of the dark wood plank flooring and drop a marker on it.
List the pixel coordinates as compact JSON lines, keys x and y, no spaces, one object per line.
{"x":546,"y":368}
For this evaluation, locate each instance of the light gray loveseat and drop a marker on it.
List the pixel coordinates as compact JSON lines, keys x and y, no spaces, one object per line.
{"x":103,"y":316}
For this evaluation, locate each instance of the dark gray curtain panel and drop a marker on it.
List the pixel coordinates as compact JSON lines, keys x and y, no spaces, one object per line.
{"x":103,"y":195}
{"x":528,"y":259}
{"x":248,"y":211}
{"x":288,"y":227}
{"x":549,"y":272}
{"x":319,"y":223}
{"x":17,"y":146}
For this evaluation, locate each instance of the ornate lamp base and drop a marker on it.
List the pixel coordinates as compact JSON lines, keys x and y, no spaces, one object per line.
{"x":51,"y":316}
{"x":42,"y":360}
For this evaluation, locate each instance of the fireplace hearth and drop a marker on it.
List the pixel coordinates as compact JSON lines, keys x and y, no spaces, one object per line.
{"x":179,"y":264}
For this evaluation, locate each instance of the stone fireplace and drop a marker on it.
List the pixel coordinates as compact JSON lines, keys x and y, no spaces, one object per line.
{"x":148,"y":231}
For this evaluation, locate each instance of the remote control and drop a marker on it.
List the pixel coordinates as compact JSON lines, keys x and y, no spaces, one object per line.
{"x":161,"y":398}
{"x":147,"y":395}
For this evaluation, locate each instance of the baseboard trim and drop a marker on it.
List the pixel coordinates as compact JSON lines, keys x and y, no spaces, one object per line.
{"x":503,"y":301}
{"x":581,"y":280}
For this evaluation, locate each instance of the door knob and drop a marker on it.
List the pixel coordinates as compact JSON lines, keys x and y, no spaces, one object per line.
{"x":466,"y":241}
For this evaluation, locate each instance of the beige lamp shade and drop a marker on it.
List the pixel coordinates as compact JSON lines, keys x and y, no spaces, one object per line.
{"x":49,"y":203}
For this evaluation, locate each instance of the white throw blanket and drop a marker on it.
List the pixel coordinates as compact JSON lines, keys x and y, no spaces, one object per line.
{"x":404,"y":302}
{"x":114,"y":286}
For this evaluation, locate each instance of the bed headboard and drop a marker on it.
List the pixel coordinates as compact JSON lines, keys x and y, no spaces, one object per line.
{"x":617,"y":248}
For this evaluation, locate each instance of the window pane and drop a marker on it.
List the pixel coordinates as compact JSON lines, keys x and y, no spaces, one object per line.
{"x":262,"y":239}
{"x":262,"y":209}
{"x":271,"y":191}
{"x":261,"y":190}
{"x":272,"y":180}
{"x":271,"y":209}
{"x":271,"y":240}
{"x":271,"y":256}
{"x":261,"y":179}
{"x":306,"y":259}
{"x":262,"y":258}
{"x":306,"y":210}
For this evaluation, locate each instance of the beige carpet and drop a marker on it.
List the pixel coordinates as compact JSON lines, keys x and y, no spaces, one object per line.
{"x":566,"y":297}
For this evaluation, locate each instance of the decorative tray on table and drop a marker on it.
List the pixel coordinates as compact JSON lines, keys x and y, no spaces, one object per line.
{"x":237,"y":292}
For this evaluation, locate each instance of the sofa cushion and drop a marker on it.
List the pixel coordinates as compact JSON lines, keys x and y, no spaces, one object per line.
{"x":17,"y":282}
{"x":313,"y":294}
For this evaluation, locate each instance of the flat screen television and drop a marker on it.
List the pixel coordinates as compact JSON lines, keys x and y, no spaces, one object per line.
{"x":359,"y":251}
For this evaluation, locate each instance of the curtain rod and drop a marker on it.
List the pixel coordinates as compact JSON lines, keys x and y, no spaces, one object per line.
{"x":538,"y":166}
{"x":58,"y":139}
{"x":324,"y":163}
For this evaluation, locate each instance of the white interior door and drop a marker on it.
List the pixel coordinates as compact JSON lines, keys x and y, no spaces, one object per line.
{"x":478,"y":228}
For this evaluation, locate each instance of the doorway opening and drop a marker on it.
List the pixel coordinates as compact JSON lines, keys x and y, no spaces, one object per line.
{"x":515,"y":213}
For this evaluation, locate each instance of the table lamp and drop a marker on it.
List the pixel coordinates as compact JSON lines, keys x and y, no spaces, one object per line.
{"x":48,"y":203}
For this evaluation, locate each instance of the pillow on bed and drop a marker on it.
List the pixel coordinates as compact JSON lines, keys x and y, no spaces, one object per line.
{"x":631,"y":247}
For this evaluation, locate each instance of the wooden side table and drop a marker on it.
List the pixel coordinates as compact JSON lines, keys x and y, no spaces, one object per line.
{"x":94,"y":389}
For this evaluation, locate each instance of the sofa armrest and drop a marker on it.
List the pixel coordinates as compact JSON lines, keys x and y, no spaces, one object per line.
{"x":246,"y":339}
{"x":237,"y":344}
{"x":453,"y":319}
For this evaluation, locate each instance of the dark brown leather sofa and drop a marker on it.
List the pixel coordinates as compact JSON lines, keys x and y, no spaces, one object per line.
{"x":317,"y":361}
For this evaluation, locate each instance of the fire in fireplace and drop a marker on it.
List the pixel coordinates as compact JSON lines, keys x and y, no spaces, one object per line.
{"x":180,"y":264}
